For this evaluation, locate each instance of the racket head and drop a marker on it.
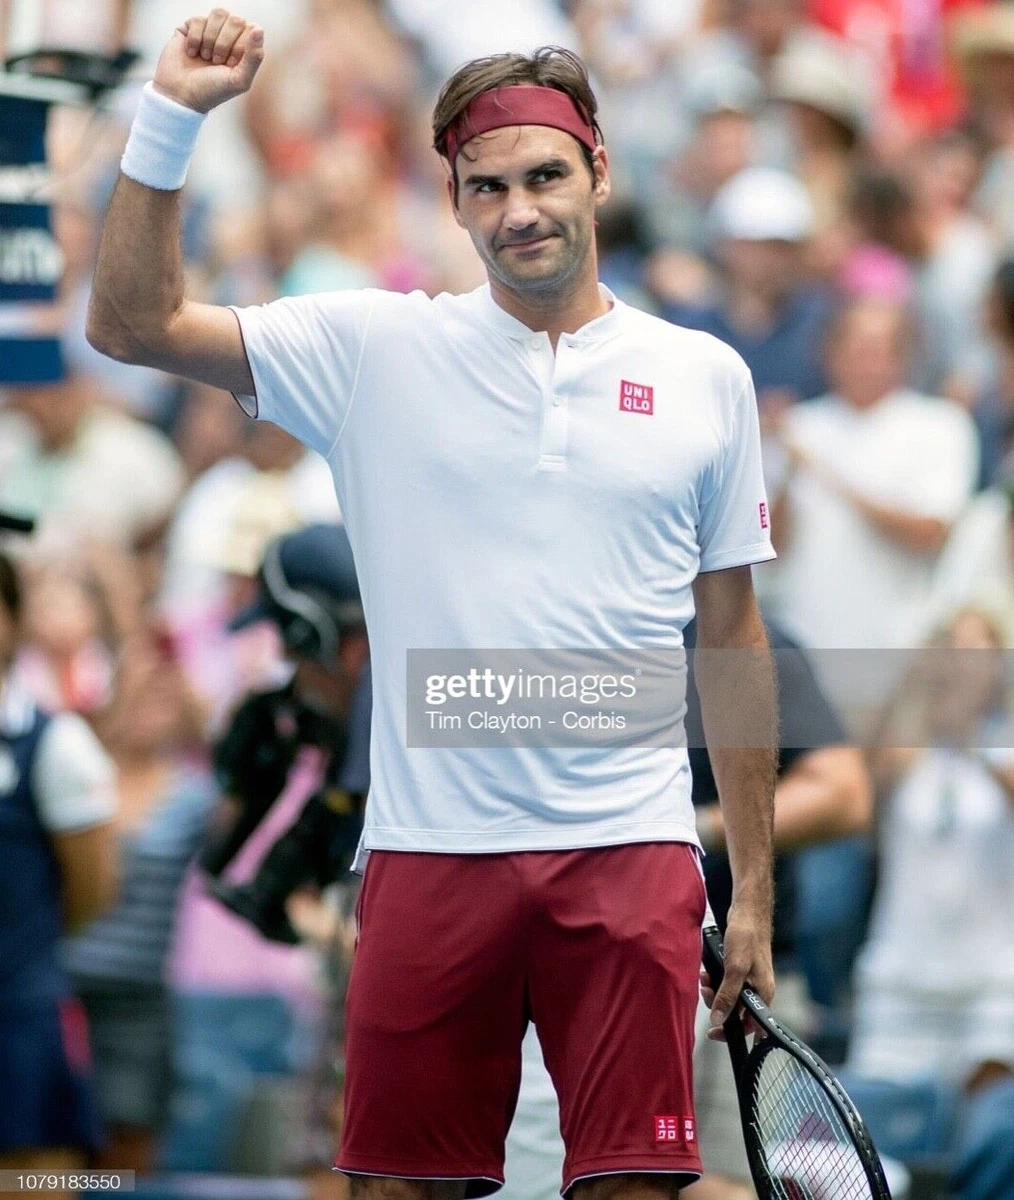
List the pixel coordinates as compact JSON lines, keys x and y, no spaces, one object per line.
{"x":801,"y":1129}
{"x":804,"y":1138}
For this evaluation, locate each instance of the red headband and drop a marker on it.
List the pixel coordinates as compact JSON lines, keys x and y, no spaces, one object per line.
{"x":526,"y":104}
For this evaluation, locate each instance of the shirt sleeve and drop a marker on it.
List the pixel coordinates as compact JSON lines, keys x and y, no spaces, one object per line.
{"x":73,"y":780}
{"x":734,"y":527}
{"x":304,"y":354}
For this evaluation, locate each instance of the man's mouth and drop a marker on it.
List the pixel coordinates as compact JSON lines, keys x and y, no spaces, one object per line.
{"x":530,"y":243}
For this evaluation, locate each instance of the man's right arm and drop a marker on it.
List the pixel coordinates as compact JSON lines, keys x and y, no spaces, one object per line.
{"x":138,"y":310}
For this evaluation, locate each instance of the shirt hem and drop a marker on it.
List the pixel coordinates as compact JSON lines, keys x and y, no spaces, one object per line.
{"x":746,"y":555}
{"x":586,"y":837}
{"x":248,"y":404}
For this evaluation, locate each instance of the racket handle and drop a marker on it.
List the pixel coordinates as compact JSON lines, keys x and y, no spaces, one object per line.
{"x":16,"y":524}
{"x":713,"y":953}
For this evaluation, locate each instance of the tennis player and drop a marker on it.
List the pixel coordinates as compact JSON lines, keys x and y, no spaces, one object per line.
{"x":531,"y":465}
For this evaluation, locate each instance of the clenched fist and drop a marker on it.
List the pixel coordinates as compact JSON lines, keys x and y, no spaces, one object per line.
{"x":209,"y":60}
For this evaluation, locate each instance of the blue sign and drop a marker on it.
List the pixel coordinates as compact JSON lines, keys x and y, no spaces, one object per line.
{"x":31,"y":263}
{"x":22,"y":131}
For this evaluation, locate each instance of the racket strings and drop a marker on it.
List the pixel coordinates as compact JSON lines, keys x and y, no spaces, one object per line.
{"x":806,"y":1144}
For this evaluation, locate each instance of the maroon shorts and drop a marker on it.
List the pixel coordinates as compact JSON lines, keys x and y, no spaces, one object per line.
{"x":601,"y":948}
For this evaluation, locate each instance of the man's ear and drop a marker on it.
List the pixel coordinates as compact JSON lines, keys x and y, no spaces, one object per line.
{"x":602,"y":187}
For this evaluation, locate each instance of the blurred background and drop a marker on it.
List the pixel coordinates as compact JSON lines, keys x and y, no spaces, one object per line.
{"x":828,"y":185}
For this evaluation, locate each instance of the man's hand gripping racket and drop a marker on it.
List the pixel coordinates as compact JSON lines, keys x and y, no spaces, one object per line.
{"x":804,"y":1138}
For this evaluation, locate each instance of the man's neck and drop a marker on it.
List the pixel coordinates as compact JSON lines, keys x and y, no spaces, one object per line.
{"x":554,"y":314}
{"x":59,"y":442}
{"x":866,"y":401}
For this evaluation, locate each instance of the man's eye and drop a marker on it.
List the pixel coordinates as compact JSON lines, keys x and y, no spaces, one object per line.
{"x":545,"y":176}
{"x":487,"y":187}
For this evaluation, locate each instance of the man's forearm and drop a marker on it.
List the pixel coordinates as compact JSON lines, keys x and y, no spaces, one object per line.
{"x":745,"y":780}
{"x":138,"y":284}
{"x":736,"y":685}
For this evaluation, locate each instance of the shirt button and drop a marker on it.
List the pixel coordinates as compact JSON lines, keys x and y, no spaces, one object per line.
{"x":557,"y":401}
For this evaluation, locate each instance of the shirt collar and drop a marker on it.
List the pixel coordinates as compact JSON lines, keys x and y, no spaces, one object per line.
{"x":597,"y":330}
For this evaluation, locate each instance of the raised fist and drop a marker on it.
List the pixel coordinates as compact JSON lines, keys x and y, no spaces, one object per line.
{"x":209,"y":60}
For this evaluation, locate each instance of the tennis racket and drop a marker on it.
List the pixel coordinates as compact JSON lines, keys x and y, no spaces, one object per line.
{"x":805,"y":1139}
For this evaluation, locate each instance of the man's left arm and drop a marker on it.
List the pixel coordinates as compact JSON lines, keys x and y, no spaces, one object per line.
{"x":734,"y":674}
{"x":824,"y":789}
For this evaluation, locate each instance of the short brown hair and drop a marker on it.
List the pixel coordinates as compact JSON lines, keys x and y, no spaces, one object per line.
{"x":549,"y":66}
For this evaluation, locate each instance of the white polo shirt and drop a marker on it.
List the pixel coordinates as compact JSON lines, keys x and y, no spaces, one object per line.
{"x":499,"y":496}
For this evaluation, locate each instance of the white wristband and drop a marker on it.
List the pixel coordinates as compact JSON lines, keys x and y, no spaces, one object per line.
{"x":162,"y":139}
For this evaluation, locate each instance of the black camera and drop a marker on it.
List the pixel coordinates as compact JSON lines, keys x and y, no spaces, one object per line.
{"x":252,"y":764}
{"x":307,"y":588}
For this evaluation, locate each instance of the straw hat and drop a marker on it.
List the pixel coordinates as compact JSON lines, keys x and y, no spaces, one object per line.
{"x":823,"y":72}
{"x":988,"y":30}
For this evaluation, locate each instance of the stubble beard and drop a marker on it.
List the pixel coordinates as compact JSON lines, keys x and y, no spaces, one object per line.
{"x":555,"y":281}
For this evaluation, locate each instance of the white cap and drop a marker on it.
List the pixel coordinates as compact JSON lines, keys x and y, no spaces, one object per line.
{"x":762,"y":204}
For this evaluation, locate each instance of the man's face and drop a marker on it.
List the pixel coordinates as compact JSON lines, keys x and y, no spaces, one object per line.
{"x":868,"y":356}
{"x":56,"y":410}
{"x":769,"y":266}
{"x":528,"y":201}
{"x":328,"y":689}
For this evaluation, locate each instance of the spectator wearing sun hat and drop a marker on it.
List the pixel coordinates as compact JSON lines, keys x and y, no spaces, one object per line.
{"x":826,"y":96}
{"x":983,"y":45}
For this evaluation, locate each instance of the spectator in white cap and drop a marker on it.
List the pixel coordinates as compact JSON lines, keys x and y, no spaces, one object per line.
{"x":760,"y":222}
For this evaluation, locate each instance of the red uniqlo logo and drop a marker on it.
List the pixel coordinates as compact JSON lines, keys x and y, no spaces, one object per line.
{"x":675,"y":1129}
{"x":636,"y":397}
{"x":763,"y":508}
{"x":667,"y":1129}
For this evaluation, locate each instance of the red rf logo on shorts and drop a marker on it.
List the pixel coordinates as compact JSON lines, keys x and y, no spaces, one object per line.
{"x":637,"y":398}
{"x":675,"y":1129}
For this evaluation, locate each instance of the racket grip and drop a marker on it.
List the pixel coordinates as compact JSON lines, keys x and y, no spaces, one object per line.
{"x":15,"y":524}
{"x":713,"y":954}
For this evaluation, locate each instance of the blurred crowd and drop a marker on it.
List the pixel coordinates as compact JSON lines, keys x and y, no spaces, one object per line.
{"x":828,"y":185}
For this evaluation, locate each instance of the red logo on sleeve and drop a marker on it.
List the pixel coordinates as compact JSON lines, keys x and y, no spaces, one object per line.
{"x":637,"y":398}
{"x":763,"y":508}
{"x":675,"y":1129}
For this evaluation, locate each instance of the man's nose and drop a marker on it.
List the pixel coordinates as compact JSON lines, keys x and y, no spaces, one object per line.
{"x":521,"y":211}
